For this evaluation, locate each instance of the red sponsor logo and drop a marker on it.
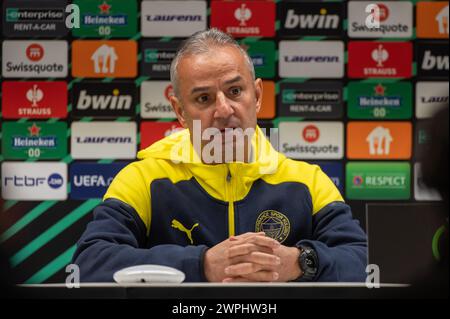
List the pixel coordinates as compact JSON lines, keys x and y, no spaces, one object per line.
{"x":35,"y":52}
{"x":36,"y":100}
{"x":244,"y":18}
{"x":380,"y":59}
{"x":168,"y":92}
{"x":152,"y":132}
{"x":311,"y":133}
{"x":382,"y":14}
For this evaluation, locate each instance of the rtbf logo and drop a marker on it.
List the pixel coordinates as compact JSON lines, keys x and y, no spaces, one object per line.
{"x":34,"y":181}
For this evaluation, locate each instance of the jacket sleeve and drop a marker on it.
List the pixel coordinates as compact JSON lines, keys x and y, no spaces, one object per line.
{"x":116,"y":239}
{"x":338,"y":239}
{"x":340,"y":244}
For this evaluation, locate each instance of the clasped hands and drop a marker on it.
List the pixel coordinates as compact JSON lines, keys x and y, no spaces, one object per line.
{"x":251,"y":257}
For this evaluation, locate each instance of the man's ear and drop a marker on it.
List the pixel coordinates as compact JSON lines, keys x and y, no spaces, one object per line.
{"x":258,"y":94}
{"x":178,"y":109}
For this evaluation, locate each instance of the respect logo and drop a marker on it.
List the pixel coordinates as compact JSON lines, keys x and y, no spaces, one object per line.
{"x":378,"y":181}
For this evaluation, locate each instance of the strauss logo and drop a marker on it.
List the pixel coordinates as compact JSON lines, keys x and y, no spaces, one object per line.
{"x":35,"y":95}
{"x":380,"y":55}
{"x":243,"y":14}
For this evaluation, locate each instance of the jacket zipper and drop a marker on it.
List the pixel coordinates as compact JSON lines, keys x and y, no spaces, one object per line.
{"x":230,"y":196}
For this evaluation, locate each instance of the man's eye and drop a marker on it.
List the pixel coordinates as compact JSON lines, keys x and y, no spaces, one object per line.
{"x":235,"y":91}
{"x":202,"y":99}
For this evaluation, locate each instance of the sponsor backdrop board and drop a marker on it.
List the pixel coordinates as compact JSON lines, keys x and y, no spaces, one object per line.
{"x":77,"y":104}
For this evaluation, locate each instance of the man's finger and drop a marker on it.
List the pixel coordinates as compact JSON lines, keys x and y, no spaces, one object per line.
{"x":246,"y":235}
{"x":242,"y":269}
{"x":246,"y":249}
{"x":260,"y":276}
{"x":269,"y":261}
{"x":264,"y":241}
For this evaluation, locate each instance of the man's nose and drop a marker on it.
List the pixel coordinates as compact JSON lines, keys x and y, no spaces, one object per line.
{"x":223,"y":107}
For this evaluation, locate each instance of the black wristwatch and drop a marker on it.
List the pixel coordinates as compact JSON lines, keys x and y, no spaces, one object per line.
{"x":309,"y":263}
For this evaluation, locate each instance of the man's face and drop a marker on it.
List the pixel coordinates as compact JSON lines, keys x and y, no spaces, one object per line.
{"x":217,"y":89}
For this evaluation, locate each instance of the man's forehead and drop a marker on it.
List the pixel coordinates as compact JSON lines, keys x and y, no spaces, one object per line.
{"x":216,"y":62}
{"x":198,"y":73}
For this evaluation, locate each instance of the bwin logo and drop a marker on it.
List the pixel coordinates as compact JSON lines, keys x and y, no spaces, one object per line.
{"x":312,"y":21}
{"x":104,"y":102}
{"x":430,"y":62}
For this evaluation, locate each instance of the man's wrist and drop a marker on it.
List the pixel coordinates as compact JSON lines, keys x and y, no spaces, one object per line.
{"x":207,"y":266}
{"x":295,"y":269}
{"x":308,"y":262}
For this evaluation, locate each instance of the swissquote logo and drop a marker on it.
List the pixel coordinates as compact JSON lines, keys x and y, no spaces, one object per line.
{"x":380,"y":59}
{"x":244,"y":18}
{"x":395,"y":19}
{"x":312,"y":140}
{"x":173,"y":18}
{"x":155,"y":99}
{"x":98,"y":99}
{"x":34,"y":59}
{"x":310,"y":18}
{"x":34,"y":100}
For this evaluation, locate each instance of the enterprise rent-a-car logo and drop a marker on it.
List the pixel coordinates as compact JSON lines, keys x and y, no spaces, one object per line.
{"x":30,"y":18}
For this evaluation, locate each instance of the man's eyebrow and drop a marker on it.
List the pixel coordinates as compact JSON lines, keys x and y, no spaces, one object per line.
{"x":200,"y":89}
{"x":206,"y":88}
{"x":234,"y":80}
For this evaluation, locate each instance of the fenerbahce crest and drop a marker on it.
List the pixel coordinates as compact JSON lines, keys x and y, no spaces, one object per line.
{"x":274,"y":224}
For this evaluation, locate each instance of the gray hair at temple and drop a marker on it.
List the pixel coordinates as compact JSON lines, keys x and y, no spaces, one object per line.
{"x":204,"y":42}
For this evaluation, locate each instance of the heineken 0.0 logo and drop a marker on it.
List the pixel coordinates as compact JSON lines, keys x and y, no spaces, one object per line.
{"x":34,"y":140}
{"x":379,"y":100}
{"x":107,"y":18}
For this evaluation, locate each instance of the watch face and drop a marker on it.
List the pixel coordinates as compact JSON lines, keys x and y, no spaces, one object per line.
{"x":310,"y":262}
